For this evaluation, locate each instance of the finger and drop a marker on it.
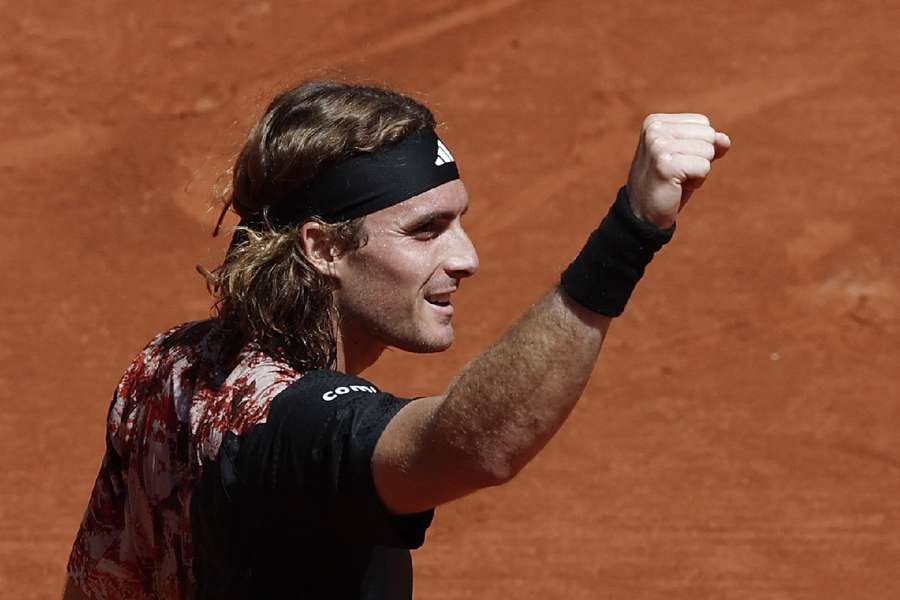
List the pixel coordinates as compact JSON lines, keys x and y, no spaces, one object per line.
{"x":676,"y":118}
{"x":722,"y":144}
{"x":691,"y":146}
{"x":681,"y":131}
{"x":683,"y":167}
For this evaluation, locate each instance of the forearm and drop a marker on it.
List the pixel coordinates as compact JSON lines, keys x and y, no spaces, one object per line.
{"x":508,"y":402}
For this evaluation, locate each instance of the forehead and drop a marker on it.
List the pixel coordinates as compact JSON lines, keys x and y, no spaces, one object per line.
{"x":446,"y":199}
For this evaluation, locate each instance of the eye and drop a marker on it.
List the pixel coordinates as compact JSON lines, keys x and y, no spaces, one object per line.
{"x":429,"y":229}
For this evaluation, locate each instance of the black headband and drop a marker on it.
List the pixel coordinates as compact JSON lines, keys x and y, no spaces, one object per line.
{"x":368,"y":182}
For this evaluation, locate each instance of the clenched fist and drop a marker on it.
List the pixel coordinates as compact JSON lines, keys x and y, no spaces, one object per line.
{"x":673,"y":159}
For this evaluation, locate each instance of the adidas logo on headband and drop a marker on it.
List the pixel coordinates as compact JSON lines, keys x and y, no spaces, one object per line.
{"x":443,"y":155}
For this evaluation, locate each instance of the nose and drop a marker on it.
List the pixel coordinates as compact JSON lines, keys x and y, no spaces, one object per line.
{"x":462,"y":259}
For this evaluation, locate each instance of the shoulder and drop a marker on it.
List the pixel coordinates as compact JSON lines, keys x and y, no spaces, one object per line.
{"x":326,"y":391}
{"x":172,"y":343}
{"x":177,"y":345}
{"x":188,"y":333}
{"x":332,"y":404}
{"x":324,"y":395}
{"x":325,"y":423}
{"x":330,"y":386}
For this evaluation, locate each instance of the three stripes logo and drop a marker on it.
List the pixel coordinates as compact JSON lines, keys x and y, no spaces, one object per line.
{"x":443,"y":155}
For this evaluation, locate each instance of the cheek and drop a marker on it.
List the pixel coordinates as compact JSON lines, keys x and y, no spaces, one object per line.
{"x":380,"y":284}
{"x":404,"y":268}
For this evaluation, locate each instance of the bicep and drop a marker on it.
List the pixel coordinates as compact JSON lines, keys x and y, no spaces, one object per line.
{"x":417,"y":466}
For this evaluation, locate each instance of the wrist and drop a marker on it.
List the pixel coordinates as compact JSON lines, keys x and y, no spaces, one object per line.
{"x":648,"y":220}
{"x":605,"y":272}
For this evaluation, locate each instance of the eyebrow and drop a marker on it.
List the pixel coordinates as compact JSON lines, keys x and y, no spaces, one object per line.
{"x":443,"y":215}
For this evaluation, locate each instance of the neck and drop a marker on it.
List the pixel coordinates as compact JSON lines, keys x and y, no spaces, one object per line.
{"x":356,"y":351}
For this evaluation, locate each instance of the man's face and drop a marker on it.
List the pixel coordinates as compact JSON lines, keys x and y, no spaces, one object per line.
{"x":396,"y":290}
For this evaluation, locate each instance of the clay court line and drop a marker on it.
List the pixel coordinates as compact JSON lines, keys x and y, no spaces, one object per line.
{"x":62,"y":143}
{"x":736,"y":101}
{"x":727,"y":105}
{"x":409,"y":36}
{"x":425,"y":31}
{"x":866,"y":454}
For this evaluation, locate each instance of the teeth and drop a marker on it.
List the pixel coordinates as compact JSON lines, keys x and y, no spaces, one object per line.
{"x":441,"y":299}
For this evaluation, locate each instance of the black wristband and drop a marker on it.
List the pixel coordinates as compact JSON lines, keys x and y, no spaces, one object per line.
{"x":603,"y":275}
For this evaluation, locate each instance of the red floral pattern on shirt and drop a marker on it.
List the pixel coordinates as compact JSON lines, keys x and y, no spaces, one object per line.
{"x":166,"y":422}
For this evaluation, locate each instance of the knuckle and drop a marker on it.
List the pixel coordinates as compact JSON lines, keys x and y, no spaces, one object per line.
{"x":657,"y":143}
{"x":649,"y":119}
{"x":652,"y":131}
{"x":662,"y":166}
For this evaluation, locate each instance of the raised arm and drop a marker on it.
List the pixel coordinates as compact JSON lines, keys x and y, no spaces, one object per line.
{"x":508,"y":402}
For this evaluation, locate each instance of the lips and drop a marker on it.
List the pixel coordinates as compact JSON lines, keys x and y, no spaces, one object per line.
{"x":441,"y":301}
{"x":439,"y":298}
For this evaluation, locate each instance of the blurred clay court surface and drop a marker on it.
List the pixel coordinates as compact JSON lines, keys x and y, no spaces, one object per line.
{"x":739,"y":438}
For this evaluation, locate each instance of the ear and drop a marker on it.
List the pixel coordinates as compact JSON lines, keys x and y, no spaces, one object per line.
{"x":318,"y":247}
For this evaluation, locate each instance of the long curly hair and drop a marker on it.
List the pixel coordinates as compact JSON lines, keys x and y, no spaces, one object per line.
{"x":266,"y":292}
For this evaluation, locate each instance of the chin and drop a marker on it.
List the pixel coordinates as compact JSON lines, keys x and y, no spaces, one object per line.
{"x":427,"y":344}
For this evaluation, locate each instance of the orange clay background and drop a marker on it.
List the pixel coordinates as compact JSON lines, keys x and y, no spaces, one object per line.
{"x":739,"y":437}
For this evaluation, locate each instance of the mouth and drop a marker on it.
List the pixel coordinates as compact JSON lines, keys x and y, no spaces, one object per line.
{"x":441,"y":302}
